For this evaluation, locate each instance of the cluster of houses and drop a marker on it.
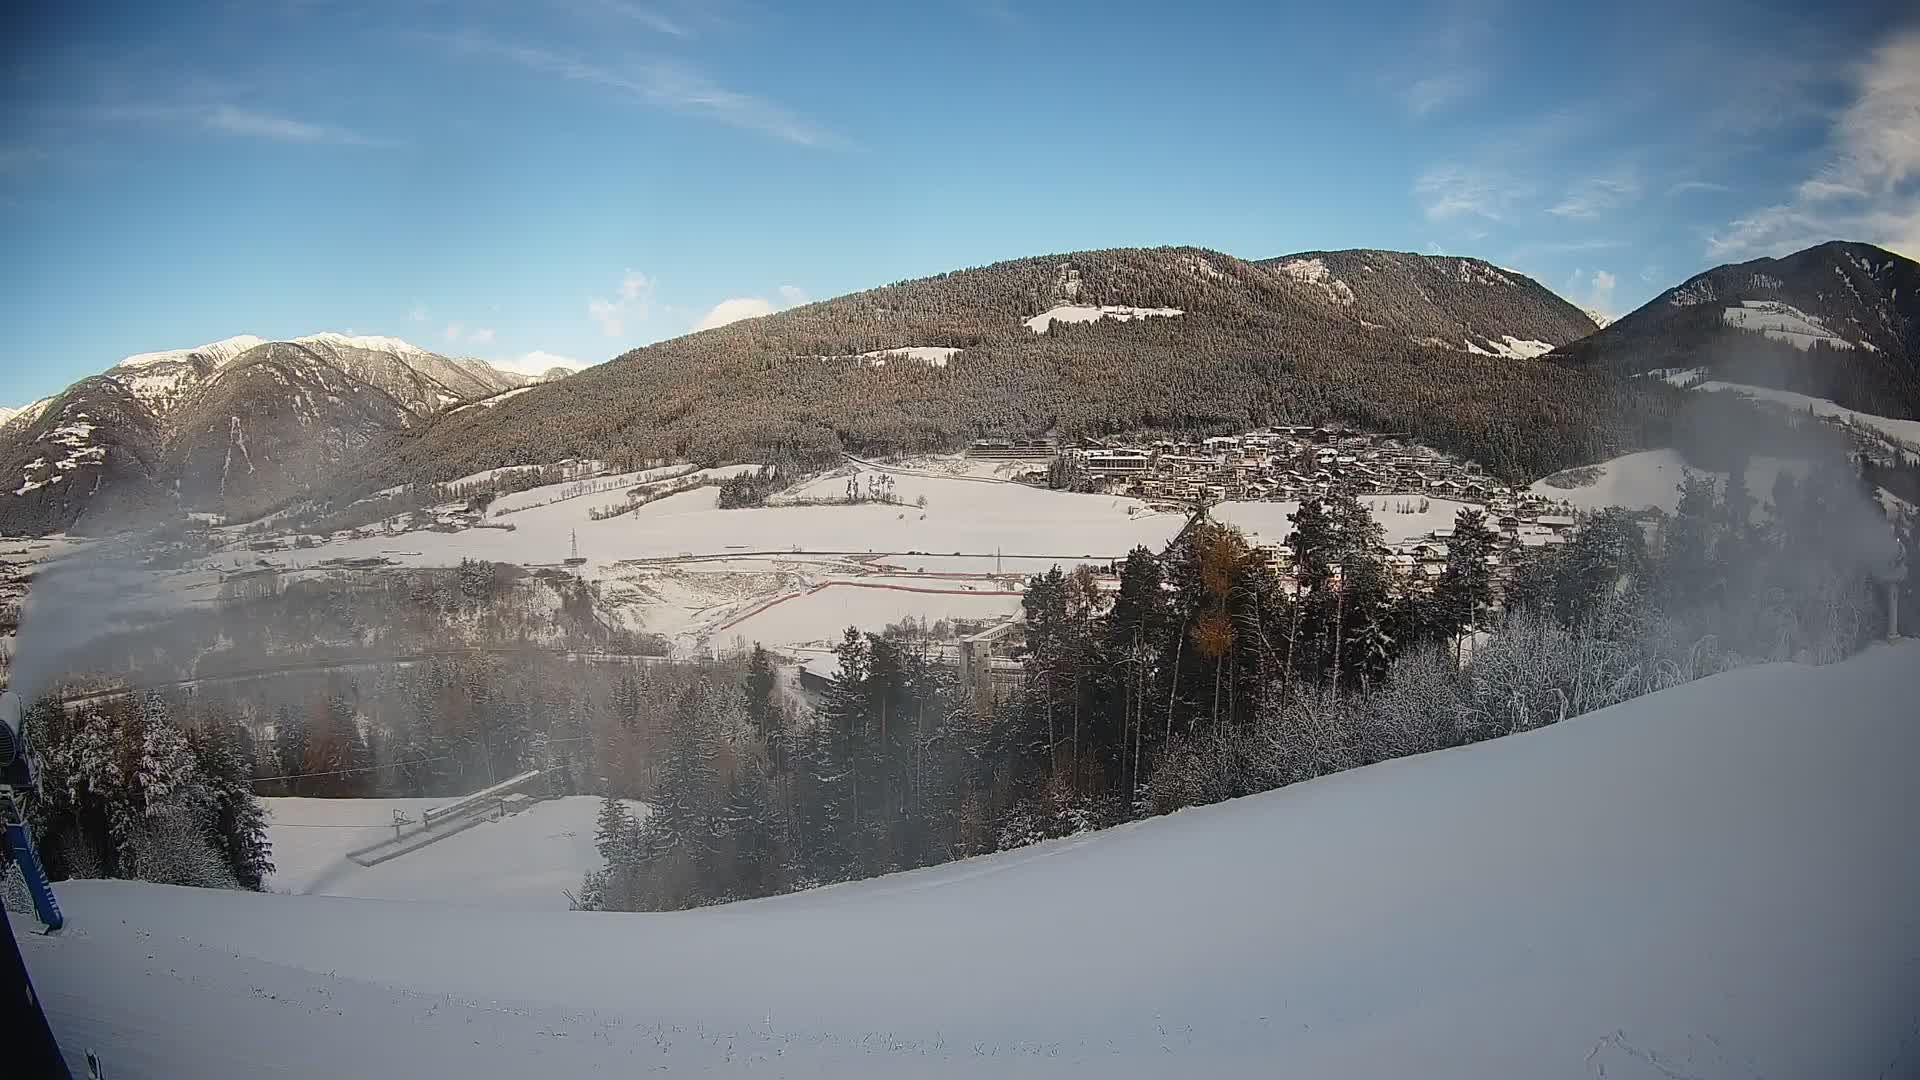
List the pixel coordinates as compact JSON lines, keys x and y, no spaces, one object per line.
{"x":1282,"y":463}
{"x":1294,"y":463}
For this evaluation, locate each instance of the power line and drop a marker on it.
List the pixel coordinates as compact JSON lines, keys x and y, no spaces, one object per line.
{"x":347,"y":772}
{"x":393,"y":764}
{"x":308,"y":825}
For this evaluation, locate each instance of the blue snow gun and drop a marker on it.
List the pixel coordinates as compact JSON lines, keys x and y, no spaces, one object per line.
{"x":17,"y":784}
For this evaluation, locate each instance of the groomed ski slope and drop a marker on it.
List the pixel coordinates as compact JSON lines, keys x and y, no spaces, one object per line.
{"x":1715,"y":881}
{"x":527,"y":861}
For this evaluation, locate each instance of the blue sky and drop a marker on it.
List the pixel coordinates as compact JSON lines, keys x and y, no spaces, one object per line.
{"x":576,"y":177}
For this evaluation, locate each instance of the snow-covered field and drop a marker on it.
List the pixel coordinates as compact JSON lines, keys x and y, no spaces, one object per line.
{"x":1905,"y":432}
{"x":524,"y":862}
{"x":1715,"y":881}
{"x":1083,"y":313}
{"x":1511,"y":347}
{"x":1400,"y":517}
{"x":1650,"y":478}
{"x":1782,"y":322}
{"x":930,"y":355}
{"x":821,"y":613}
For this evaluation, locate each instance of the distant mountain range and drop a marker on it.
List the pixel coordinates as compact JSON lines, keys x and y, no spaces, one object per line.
{"x":233,"y":427}
{"x":1839,"y":321}
{"x":1456,"y":352}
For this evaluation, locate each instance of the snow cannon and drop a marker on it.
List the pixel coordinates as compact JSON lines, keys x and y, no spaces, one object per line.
{"x":16,"y":786}
{"x":16,"y":768}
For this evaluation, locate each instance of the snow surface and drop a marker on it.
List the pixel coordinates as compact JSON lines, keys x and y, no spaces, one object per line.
{"x":368,"y":342}
{"x":1082,"y":313}
{"x":524,"y":862}
{"x":1398,"y":516}
{"x":930,"y":355}
{"x":1514,"y":348}
{"x":819,"y":615}
{"x":27,"y":414}
{"x":1782,"y":322}
{"x":1651,"y":478}
{"x":1712,"y":881}
{"x":490,"y":402}
{"x":1906,"y":432}
{"x":220,"y":351}
{"x":1315,"y":272}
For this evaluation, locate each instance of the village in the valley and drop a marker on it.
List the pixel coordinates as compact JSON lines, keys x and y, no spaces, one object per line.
{"x":1288,"y":464}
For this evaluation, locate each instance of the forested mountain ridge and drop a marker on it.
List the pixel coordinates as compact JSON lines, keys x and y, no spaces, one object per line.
{"x":233,"y":427}
{"x":1251,"y":343}
{"x":1446,"y":301}
{"x":1840,"y":320}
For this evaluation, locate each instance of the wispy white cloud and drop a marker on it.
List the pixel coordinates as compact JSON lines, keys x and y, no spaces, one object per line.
{"x":1593,"y":291}
{"x":646,"y":15}
{"x":250,"y":123}
{"x":460,"y":334}
{"x":240,"y":122}
{"x":1689,"y":187}
{"x":1869,"y":188}
{"x":1434,"y":92}
{"x":733,"y":309}
{"x":1439,"y":63}
{"x":1569,"y":247}
{"x":631,"y":302}
{"x":663,"y":85}
{"x":418,"y":313}
{"x":1596,"y":195}
{"x":537,"y":362}
{"x":1454,"y":191}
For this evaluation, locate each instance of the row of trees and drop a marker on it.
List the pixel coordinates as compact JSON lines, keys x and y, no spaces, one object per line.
{"x":135,"y":787}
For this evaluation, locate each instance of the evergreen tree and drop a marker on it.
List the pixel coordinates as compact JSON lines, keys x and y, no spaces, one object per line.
{"x":223,"y":757}
{"x":290,"y":740}
{"x":1464,"y":593}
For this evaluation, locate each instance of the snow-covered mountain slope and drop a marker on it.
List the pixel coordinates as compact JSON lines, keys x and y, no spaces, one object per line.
{"x":1839,"y":321}
{"x":1712,"y":881}
{"x":280,"y":421}
{"x":423,"y":381}
{"x":8,"y":414}
{"x":175,"y":404}
{"x":162,"y":381}
{"x":92,"y":448}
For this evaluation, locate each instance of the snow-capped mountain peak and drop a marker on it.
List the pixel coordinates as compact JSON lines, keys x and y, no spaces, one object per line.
{"x":370,"y":342}
{"x":1600,"y":318}
{"x":218,"y":351}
